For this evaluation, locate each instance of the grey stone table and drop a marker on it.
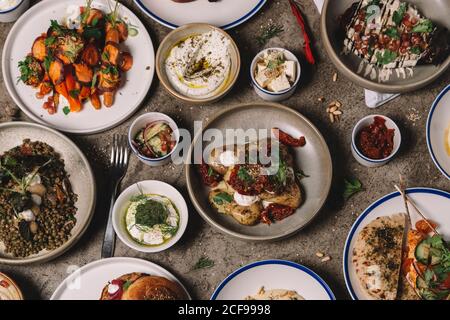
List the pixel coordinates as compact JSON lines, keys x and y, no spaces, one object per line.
{"x":327,"y":233}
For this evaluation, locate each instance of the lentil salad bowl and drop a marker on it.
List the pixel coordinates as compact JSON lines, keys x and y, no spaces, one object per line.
{"x":46,"y":203}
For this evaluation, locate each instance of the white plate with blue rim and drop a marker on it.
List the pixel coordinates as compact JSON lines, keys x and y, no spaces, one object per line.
{"x":273,"y":275}
{"x":433,"y":203}
{"x":225,"y":14}
{"x":438,"y":132}
{"x":130,"y":94}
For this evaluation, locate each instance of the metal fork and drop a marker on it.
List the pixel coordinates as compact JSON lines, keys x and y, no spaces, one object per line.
{"x":119,"y":165}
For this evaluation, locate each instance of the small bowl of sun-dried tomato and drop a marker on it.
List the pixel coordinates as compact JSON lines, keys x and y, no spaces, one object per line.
{"x":376,"y":139}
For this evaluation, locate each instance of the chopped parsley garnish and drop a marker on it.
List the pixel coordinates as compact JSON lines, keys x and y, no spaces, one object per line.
{"x":151,"y":213}
{"x":66,"y":110}
{"x":244,"y":175}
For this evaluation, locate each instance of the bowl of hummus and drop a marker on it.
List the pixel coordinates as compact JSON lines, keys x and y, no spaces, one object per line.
{"x":8,"y":289}
{"x":198,"y":63}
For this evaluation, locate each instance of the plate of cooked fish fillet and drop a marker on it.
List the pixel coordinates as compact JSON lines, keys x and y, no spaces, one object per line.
{"x":264,"y":175}
{"x":390,"y":255}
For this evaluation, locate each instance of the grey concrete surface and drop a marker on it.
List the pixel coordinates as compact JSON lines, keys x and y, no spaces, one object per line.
{"x":327,"y":233}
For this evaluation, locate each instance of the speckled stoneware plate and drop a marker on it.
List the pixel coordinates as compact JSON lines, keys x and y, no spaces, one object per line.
{"x":436,"y":10}
{"x":80,"y":174}
{"x":314,"y":159}
{"x":433,"y":203}
{"x":438,"y":132}
{"x":129,"y":97}
{"x":224,"y":14}
{"x":273,"y":275}
{"x":181,"y":34}
{"x":88,"y":282}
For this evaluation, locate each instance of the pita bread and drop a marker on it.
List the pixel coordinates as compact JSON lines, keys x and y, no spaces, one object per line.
{"x":377,"y":256}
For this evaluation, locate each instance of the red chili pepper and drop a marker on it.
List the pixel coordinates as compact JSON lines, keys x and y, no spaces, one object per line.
{"x":4,"y":284}
{"x":288,"y":140}
{"x":298,"y":15}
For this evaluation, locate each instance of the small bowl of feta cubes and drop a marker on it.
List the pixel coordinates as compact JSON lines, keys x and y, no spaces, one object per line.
{"x":275,"y":73}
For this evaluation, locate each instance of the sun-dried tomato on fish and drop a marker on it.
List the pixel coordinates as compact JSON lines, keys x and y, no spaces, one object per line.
{"x":276,"y":212}
{"x":287,"y":139}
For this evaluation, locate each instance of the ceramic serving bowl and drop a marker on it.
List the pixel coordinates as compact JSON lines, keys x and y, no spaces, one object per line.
{"x":140,"y":123}
{"x":270,"y":95}
{"x":148,"y":187}
{"x":13,"y":13}
{"x":314,"y":159}
{"x":181,"y":34}
{"x":436,"y":10}
{"x":361,"y":158}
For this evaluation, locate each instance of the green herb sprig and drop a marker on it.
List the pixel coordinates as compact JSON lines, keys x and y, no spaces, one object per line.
{"x":203,"y":263}
{"x":351,"y":187}
{"x":269,"y":32}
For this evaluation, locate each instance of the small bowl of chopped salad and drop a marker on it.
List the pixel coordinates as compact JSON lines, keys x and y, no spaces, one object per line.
{"x":154,"y":137}
{"x":150,"y":216}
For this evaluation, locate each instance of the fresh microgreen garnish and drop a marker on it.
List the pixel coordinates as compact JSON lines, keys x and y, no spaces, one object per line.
{"x":425,"y":26}
{"x":210,"y":171}
{"x":398,"y":15}
{"x":49,"y":41}
{"x":222,"y":197}
{"x":392,"y":33}
{"x":269,"y":32}
{"x":27,"y":70}
{"x":351,"y":187}
{"x":203,"y":263}
{"x":56,"y":27}
{"x":387,"y":57}
{"x":66,"y":110}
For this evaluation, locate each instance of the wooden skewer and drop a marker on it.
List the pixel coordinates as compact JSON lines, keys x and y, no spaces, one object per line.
{"x":410,"y":201}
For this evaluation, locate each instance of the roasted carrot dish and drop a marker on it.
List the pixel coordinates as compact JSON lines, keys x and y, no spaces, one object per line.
{"x":80,"y":61}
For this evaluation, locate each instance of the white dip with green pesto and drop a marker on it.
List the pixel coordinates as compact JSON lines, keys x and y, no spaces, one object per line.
{"x":151,"y":219}
{"x":200,"y":65}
